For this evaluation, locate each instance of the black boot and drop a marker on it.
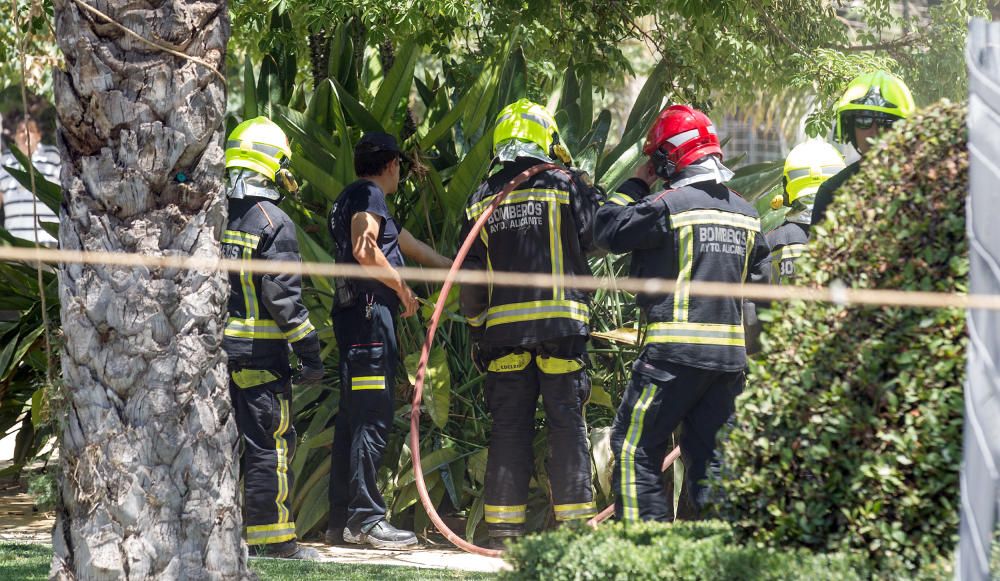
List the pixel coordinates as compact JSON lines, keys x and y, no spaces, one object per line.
{"x":286,"y":550}
{"x":334,"y":536}
{"x":382,"y":535}
{"x":502,"y":535}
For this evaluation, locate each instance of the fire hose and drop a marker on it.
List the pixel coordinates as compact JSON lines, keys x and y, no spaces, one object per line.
{"x":418,"y":473}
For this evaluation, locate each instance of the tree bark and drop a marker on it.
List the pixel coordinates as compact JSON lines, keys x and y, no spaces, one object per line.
{"x":147,"y":437}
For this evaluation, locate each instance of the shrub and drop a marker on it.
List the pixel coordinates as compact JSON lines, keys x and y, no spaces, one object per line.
{"x":706,"y":550}
{"x":849,"y":433}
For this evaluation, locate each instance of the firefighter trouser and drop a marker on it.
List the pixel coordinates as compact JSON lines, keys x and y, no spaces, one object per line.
{"x":658,"y":400}
{"x":366,"y":336}
{"x":514,"y":380}
{"x":262,"y":401}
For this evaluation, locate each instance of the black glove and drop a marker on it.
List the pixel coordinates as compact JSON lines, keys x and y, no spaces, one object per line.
{"x":307,"y":351}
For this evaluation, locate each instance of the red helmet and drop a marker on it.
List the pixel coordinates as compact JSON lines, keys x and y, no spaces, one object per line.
{"x":684,"y":135}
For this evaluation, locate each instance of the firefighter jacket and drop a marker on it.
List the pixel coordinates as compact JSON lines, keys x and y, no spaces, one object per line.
{"x":699,"y":232}
{"x":266,"y":312}
{"x":544,"y":226}
{"x":787,"y":243}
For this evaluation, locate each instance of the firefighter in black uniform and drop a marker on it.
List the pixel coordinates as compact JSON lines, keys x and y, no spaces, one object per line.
{"x":691,"y":365}
{"x":532,"y":341}
{"x":266,"y":314}
{"x":364,"y":322}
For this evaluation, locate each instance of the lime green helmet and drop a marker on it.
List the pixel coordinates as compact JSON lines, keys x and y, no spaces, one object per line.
{"x":528,"y":121}
{"x":879,"y":94}
{"x":260,"y":145}
{"x":807,"y":166}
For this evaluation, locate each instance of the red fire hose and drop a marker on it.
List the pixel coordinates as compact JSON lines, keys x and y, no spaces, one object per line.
{"x":418,"y":473}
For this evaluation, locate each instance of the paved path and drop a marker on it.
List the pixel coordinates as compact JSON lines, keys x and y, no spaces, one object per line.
{"x":20,"y":523}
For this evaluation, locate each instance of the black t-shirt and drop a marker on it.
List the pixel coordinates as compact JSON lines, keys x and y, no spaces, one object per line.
{"x":365,"y":196}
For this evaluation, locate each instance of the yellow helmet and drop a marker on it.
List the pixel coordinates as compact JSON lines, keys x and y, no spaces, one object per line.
{"x":807,"y":166}
{"x":878,"y":94}
{"x":260,"y":145}
{"x":529,"y":121}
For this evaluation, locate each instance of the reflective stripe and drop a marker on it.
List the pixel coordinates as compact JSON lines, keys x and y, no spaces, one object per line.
{"x":630,"y":494}
{"x":620,"y":199}
{"x":240,"y":239}
{"x":751,"y":237}
{"x":253,"y":329}
{"x":695,"y":333}
{"x":719,"y":217}
{"x":510,"y":362}
{"x":575,"y":511}
{"x":685,"y":259}
{"x":281,"y":463}
{"x":537,"y":310}
{"x":790,"y":251}
{"x":827,"y":170}
{"x":265,"y":149}
{"x":367,"y":382}
{"x":478,"y":320}
{"x":516,"y":197}
{"x":505,"y":514}
{"x":245,"y":378}
{"x":555,"y":251}
{"x":276,"y":533}
{"x":543,"y":122}
{"x":300,"y":332}
{"x":683,"y":137}
{"x":557,"y":366}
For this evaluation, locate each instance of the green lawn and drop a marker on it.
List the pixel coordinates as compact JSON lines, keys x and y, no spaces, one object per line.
{"x":23,"y":561}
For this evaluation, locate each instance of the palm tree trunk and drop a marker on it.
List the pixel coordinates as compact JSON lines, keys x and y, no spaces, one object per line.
{"x":149,"y":473}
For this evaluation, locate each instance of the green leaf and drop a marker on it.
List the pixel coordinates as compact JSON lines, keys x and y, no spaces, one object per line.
{"x":7,"y":355}
{"x":22,"y":348}
{"x":623,"y":168}
{"x":514,"y":80}
{"x":341,"y":53}
{"x":249,"y":92}
{"x":600,"y":396}
{"x":313,"y":251}
{"x":437,"y":383}
{"x":49,"y":193}
{"x":408,"y":496}
{"x":314,"y":510}
{"x":38,"y":407}
{"x":396,"y":85}
{"x":475,"y":517}
{"x":355,"y":110}
{"x":470,"y":172}
{"x":474,"y":94}
{"x":429,"y":463}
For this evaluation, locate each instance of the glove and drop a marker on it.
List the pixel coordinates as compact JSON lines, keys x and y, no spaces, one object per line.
{"x":312,"y":366}
{"x":310,"y":375}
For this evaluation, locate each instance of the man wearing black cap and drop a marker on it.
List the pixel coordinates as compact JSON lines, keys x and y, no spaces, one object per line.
{"x":364,"y":321}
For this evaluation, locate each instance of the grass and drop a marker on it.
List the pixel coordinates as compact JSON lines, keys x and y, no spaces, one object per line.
{"x":30,"y":562}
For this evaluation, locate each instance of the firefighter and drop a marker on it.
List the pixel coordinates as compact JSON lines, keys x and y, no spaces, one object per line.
{"x":807,"y":166}
{"x":365,"y":232}
{"x":266,"y":315}
{"x":691,"y":365}
{"x":532,"y":341}
{"x":872,"y":103}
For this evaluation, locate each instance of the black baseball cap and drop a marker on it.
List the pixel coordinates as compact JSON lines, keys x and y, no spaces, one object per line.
{"x":375,"y":141}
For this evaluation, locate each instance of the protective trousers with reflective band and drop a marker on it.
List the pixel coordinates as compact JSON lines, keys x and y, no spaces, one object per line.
{"x":515,"y":378}
{"x":368,"y":356}
{"x":658,"y":400}
{"x":262,"y":400}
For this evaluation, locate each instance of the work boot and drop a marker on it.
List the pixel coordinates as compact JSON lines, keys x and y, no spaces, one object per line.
{"x":285,"y":550}
{"x":334,"y":536}
{"x":502,"y":535}
{"x":381,"y":535}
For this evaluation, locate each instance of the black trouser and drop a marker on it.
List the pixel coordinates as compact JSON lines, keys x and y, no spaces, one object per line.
{"x":366,"y":337}
{"x":515,"y":378}
{"x":656,"y":402}
{"x":262,"y":400}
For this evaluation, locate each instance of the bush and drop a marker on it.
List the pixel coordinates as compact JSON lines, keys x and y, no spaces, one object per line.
{"x":706,"y":550}
{"x":849,"y":434}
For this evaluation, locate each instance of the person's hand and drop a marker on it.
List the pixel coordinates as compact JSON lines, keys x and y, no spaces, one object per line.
{"x":647,"y":173}
{"x":408,"y":299}
{"x":310,"y":375}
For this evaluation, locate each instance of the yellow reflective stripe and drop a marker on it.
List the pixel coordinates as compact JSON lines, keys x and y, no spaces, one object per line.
{"x":240,"y":239}
{"x":274,"y":533}
{"x":516,"y":197}
{"x":300,"y":332}
{"x":253,"y":329}
{"x":790,"y":251}
{"x":245,"y":378}
{"x":281,"y":465}
{"x":557,"y":366}
{"x":720,"y":217}
{"x":629,"y":490}
{"x":537,"y":310}
{"x":367,"y":382}
{"x":505,"y":514}
{"x":751,"y":236}
{"x":695,"y":333}
{"x":510,"y":362}
{"x":478,"y":320}
{"x":555,"y":251}
{"x":620,"y":199}
{"x":686,"y":261}
{"x":575,"y":511}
